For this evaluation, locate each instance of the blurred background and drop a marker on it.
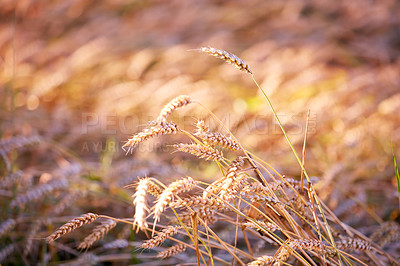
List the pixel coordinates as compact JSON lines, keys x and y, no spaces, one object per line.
{"x":78,"y":78}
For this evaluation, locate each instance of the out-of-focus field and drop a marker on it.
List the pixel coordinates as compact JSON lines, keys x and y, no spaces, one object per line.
{"x":78,"y":78}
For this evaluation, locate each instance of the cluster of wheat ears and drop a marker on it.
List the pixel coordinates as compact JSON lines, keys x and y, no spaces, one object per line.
{"x":273,"y":220}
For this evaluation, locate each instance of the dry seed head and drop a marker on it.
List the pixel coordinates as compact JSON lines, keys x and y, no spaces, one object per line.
{"x":176,"y":103}
{"x":234,"y":167}
{"x":172,"y":251}
{"x":212,"y":138}
{"x":39,"y":191}
{"x":200,"y":151}
{"x":296,"y":184}
{"x":255,"y":187}
{"x":86,"y":259}
{"x":227,"y":57}
{"x":353,"y":244}
{"x":261,"y":224}
{"x":68,"y":200}
{"x":72,"y":225}
{"x":119,"y":243}
{"x":168,"y":194}
{"x":6,"y":226}
{"x":207,"y":214}
{"x":304,"y":210}
{"x":262,"y":261}
{"x":161,"y":237}
{"x":198,"y":201}
{"x":11,"y":179}
{"x":262,"y":198}
{"x":161,"y":129}
{"x":310,"y":244}
{"x":283,"y":255}
{"x":231,"y":186}
{"x":97,"y":233}
{"x":388,"y":232}
{"x":139,"y":200}
{"x":154,"y":189}
{"x":7,"y":145}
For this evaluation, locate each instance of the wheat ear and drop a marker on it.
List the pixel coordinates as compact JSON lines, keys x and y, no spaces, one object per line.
{"x":154,"y":189}
{"x":39,"y":191}
{"x":206,"y":152}
{"x":232,"y":184}
{"x":212,"y":138}
{"x":119,"y":243}
{"x":227,"y":57}
{"x":388,"y":232}
{"x":6,"y":226}
{"x":353,"y":244}
{"x":139,"y":200}
{"x":262,"y":225}
{"x":11,"y":179}
{"x":72,"y":225}
{"x":173,"y":189}
{"x":262,"y":261}
{"x":198,"y":201}
{"x":174,"y":104}
{"x":97,"y":233}
{"x":161,"y":129}
{"x":161,"y":237}
{"x":172,"y":251}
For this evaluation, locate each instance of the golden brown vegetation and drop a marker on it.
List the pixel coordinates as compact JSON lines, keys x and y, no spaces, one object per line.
{"x":78,"y":77}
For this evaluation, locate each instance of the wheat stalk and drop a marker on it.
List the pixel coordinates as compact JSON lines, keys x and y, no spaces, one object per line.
{"x":7,"y":181}
{"x":172,"y":251}
{"x":227,"y":57}
{"x":212,"y":138}
{"x":172,"y":190}
{"x":232,"y":184}
{"x":234,"y":167}
{"x":262,"y":261}
{"x":353,"y":244}
{"x":388,"y":232}
{"x":174,"y":104}
{"x":198,"y":201}
{"x":154,"y":189}
{"x":119,"y":243}
{"x":161,"y":237}
{"x":208,"y":153}
{"x":262,"y":225}
{"x":67,"y":201}
{"x":97,"y":233}
{"x":72,"y":225}
{"x":6,"y":226}
{"x":161,"y":129}
{"x":38,"y":192}
{"x":7,"y":145}
{"x":139,"y":200}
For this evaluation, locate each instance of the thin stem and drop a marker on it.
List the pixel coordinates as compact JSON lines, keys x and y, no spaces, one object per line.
{"x":299,"y":161}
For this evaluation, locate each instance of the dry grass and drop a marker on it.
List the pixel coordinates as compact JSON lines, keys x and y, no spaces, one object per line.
{"x":97,"y":234}
{"x":72,"y":225}
{"x":227,"y":57}
{"x":239,"y":201}
{"x":78,"y":77}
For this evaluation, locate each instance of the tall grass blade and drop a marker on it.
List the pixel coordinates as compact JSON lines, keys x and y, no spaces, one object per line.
{"x":396,"y":170}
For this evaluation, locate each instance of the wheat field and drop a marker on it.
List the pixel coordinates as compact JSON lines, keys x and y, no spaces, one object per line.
{"x":124,"y":142}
